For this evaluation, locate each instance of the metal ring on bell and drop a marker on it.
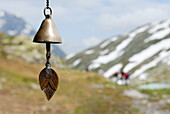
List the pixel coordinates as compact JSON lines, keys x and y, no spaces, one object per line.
{"x":45,"y":11}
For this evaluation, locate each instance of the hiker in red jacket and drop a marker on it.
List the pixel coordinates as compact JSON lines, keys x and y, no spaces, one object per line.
{"x":126,"y":77}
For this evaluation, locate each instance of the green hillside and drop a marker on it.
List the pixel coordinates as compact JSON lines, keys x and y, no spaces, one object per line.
{"x":23,"y":47}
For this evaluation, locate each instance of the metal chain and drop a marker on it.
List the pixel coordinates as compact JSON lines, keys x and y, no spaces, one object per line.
{"x":48,"y":55}
{"x":48,"y":4}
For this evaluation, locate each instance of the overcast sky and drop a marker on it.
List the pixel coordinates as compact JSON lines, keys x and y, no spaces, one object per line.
{"x":84,"y":23}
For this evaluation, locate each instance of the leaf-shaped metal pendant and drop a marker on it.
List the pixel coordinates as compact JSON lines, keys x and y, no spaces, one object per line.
{"x":48,"y":80}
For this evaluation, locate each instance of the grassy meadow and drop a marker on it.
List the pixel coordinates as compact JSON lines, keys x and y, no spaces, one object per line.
{"x":78,"y":92}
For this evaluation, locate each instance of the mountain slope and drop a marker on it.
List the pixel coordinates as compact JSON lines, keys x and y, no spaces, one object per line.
{"x":23,"y":47}
{"x":14,"y":25}
{"x":135,"y":52}
{"x":58,"y":51}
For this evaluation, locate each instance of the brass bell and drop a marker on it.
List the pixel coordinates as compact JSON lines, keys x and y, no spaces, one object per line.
{"x":47,"y":32}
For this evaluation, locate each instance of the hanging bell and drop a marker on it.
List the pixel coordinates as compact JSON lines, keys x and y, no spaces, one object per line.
{"x":47,"y":32}
{"x":48,"y":78}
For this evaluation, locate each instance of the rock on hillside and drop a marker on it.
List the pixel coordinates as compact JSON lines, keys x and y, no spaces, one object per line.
{"x":138,"y":52}
{"x":24,"y":48}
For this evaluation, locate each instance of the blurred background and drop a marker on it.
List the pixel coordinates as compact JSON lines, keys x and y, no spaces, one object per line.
{"x":114,"y":59}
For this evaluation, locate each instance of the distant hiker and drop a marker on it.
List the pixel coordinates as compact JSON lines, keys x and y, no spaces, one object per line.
{"x":121,"y":78}
{"x":122,"y":73}
{"x":116,"y":74}
{"x":115,"y":77}
{"x":87,"y":69}
{"x":126,"y":77}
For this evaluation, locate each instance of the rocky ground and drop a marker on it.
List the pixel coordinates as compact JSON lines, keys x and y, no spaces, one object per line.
{"x":148,"y":104}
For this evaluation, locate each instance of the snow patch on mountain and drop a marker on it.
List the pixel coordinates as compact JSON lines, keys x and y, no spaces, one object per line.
{"x":143,"y":76}
{"x":103,"y":45}
{"x":12,"y":32}
{"x":158,"y":35}
{"x":158,"y":26}
{"x":89,"y":52}
{"x":104,"y":52}
{"x":113,"y":39}
{"x":108,"y":58}
{"x":76,"y":62}
{"x":70,"y":56}
{"x":112,"y":70}
{"x":2,"y":14}
{"x":94,"y":66}
{"x":151,"y":64}
{"x":119,"y":49}
{"x":27,"y":29}
{"x":146,"y":54}
{"x":167,"y":59}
